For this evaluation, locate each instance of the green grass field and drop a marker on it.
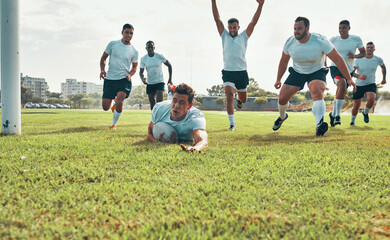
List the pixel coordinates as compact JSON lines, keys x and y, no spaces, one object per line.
{"x":68,"y":177}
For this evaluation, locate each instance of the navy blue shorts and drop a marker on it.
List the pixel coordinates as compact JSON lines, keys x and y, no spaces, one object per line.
{"x":239,"y":78}
{"x":361,"y":90}
{"x":112,"y":87}
{"x":335,"y":72}
{"x":152,"y":88}
{"x":299,"y":79}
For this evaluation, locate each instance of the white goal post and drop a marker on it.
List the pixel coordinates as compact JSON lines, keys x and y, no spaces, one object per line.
{"x":10,"y":70}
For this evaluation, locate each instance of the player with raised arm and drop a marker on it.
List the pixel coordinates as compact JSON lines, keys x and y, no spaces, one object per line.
{"x":234,"y":73}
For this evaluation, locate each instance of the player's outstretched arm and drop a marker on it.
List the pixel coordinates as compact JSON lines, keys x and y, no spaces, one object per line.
{"x":283,"y":63}
{"x":361,"y":77}
{"x":383,"y":74}
{"x":103,"y":65}
{"x":362,"y":53}
{"x":255,"y":19}
{"x":132,"y":70}
{"x":141,"y":75}
{"x":340,"y":63}
{"x":201,"y":142}
{"x":168,"y":64}
{"x":217,"y":18}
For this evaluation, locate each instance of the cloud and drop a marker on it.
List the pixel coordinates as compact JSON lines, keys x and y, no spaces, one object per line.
{"x":53,"y":8}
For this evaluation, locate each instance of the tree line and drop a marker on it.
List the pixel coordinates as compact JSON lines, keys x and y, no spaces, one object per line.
{"x":138,"y":96}
{"x":253,"y":90}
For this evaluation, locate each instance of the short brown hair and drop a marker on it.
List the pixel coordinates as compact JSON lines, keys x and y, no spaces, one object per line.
{"x":233,"y":20}
{"x":127,"y":25}
{"x":185,"y":89}
{"x":345,"y":22}
{"x":150,"y":42}
{"x":305,"y":21}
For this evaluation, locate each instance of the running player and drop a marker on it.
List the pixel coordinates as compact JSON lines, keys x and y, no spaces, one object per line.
{"x":346,"y":45}
{"x":152,"y":62}
{"x":117,"y":81}
{"x":366,"y":68}
{"x":308,"y":52}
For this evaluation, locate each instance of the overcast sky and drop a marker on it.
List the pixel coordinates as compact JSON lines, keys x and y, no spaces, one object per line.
{"x":63,"y":39}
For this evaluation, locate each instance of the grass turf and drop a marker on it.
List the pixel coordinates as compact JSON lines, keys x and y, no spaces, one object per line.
{"x":68,"y":176}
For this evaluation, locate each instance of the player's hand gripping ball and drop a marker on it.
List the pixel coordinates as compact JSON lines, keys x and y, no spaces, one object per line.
{"x":164,"y":132}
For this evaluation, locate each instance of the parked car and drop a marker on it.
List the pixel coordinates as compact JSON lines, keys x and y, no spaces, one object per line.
{"x":29,"y":105}
{"x":65,"y":106}
{"x":58,"y":105}
{"x":42,"y":105}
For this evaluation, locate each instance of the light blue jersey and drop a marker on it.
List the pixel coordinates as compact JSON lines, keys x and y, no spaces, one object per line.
{"x":308,"y":57}
{"x":345,"y":46}
{"x":234,"y":49}
{"x":194,"y":120}
{"x":153,"y":67}
{"x":367,"y":66}
{"x":121,"y":57}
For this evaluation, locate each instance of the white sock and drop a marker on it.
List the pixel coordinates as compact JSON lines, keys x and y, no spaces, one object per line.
{"x":334,"y":108}
{"x":115,"y":117}
{"x":283,"y":109}
{"x":353,"y":118}
{"x":366,"y":110}
{"x":231,"y":120}
{"x":338,"y":106}
{"x":319,"y":109}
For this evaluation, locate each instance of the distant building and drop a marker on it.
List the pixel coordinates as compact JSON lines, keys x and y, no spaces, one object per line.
{"x":36,"y":86}
{"x":72,"y":87}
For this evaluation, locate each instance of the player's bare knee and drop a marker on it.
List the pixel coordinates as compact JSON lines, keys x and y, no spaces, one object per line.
{"x":119,"y":105}
{"x":229,"y":94}
{"x":283,"y":100}
{"x":356,"y":105}
{"x":342,"y":83}
{"x":229,"y":98}
{"x":370,"y":102}
{"x":105,"y":107}
{"x":318,"y":94}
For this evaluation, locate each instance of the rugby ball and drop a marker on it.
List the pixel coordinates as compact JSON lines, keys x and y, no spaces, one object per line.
{"x":160,"y":127}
